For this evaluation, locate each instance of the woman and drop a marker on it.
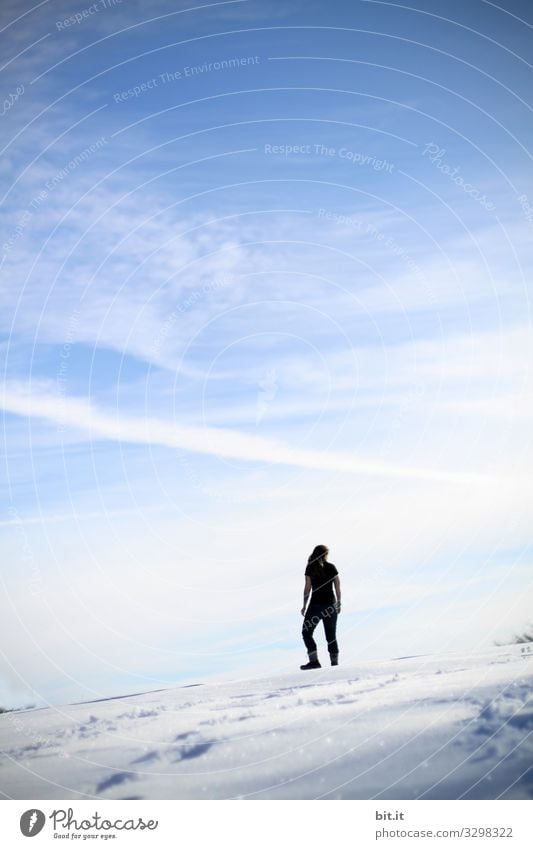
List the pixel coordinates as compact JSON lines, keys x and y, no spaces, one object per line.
{"x":320,"y":578}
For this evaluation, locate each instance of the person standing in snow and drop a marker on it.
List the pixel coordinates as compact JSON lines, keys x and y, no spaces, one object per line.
{"x":320,"y":578}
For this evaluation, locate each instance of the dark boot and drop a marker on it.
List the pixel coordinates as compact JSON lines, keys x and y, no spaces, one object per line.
{"x":334,"y":659}
{"x":313,"y":661}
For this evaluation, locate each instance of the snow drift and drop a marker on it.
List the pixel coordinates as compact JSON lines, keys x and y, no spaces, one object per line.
{"x":452,"y":726}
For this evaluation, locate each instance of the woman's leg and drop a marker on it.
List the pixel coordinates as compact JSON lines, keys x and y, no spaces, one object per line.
{"x":329,"y":617}
{"x":310,"y":622}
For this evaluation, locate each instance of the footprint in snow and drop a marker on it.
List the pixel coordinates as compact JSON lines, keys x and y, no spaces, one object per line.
{"x":191,"y":750}
{"x":138,"y":713}
{"x":113,"y":780}
{"x":147,"y":758}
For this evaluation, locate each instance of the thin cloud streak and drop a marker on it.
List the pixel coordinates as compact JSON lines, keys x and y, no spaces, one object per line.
{"x":230,"y":444}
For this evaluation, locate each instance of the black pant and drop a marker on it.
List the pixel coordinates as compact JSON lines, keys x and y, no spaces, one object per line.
{"x":328,"y":615}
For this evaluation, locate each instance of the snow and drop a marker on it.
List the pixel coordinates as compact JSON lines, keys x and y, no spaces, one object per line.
{"x":449,"y":726}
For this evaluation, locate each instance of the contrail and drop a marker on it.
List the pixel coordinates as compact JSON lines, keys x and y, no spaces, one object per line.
{"x":231,"y":444}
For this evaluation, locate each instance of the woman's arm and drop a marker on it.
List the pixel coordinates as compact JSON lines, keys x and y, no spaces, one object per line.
{"x":337,"y":585}
{"x":307,"y":591}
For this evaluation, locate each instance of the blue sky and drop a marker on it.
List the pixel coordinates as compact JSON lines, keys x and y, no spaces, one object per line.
{"x":265,"y":275}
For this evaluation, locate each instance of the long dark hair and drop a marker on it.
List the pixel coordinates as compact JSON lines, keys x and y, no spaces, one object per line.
{"x":317,"y":558}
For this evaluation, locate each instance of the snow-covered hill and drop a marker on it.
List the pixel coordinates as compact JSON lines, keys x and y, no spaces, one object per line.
{"x":432,"y":727}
